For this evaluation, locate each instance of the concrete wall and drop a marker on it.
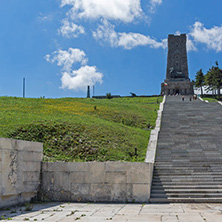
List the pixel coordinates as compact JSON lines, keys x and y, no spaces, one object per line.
{"x":20,"y":164}
{"x":96,"y":181}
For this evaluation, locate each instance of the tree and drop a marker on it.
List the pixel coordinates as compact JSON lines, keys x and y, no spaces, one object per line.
{"x":209,"y":80}
{"x":200,"y":81}
{"x":108,"y":96}
{"x":214,"y":78}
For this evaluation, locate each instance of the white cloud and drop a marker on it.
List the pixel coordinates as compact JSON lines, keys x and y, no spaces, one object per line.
{"x":123,"y":10}
{"x":154,"y":4}
{"x":75,"y":79}
{"x":67,"y":58}
{"x":70,"y":29}
{"x":211,"y":37}
{"x":43,"y":18}
{"x":131,"y":40}
{"x":190,"y":45}
{"x":81,"y":78}
{"x":106,"y":32}
{"x":67,"y":2}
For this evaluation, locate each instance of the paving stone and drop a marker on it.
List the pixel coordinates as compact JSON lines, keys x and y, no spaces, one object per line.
{"x":208,"y":217}
{"x":135,"y":218}
{"x":166,"y":218}
{"x":192,"y":217}
{"x":117,"y":212}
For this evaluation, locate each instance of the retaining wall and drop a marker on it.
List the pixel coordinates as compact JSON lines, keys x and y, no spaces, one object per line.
{"x":20,"y":164}
{"x":96,"y":181}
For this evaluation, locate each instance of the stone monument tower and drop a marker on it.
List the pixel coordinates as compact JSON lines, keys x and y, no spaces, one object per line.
{"x":177,"y":78}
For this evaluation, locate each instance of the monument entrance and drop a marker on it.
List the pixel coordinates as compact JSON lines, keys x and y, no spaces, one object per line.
{"x":177,"y":79}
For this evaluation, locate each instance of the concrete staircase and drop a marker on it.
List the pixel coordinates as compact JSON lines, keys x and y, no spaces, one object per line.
{"x":188,"y":165}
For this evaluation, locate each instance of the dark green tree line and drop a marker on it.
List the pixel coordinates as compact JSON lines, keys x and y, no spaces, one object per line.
{"x":200,"y":80}
{"x":212,"y":79}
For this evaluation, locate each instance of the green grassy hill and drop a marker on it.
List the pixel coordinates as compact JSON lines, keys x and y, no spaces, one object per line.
{"x":75,"y":129}
{"x":209,"y":98}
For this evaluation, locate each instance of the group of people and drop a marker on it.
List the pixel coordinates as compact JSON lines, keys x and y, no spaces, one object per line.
{"x":194,"y":97}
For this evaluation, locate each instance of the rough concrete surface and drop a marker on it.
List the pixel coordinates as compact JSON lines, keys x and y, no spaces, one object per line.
{"x":96,"y":182}
{"x":115,"y":212}
{"x":20,"y":163}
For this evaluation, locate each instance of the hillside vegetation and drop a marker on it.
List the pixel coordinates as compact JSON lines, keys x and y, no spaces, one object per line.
{"x":79,"y":129}
{"x":209,"y":98}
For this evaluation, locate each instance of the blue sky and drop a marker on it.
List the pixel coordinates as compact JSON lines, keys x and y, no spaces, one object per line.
{"x":120,"y":46}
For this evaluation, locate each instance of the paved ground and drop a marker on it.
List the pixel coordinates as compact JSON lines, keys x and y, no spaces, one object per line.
{"x":116,"y":212}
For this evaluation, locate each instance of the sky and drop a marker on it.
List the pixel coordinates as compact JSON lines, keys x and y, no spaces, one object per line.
{"x":118,"y":46}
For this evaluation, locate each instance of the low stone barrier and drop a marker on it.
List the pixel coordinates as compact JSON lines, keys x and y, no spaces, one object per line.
{"x":96,"y":182}
{"x":152,"y":145}
{"x":20,"y":164}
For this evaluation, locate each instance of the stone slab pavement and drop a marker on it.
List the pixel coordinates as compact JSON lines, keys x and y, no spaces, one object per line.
{"x":88,"y":212}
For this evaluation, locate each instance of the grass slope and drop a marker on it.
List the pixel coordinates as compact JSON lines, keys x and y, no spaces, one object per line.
{"x":76,"y":129}
{"x":209,"y":98}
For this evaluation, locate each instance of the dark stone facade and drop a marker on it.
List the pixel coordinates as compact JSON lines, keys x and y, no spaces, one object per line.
{"x":177,"y":78}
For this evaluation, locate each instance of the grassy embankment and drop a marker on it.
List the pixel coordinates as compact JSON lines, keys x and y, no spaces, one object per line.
{"x":210,"y":98}
{"x":74,"y":129}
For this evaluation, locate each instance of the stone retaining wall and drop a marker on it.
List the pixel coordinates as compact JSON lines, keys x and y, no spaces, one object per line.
{"x":96,"y":181}
{"x":20,"y":164}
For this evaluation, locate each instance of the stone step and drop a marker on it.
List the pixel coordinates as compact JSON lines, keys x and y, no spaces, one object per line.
{"x":184,"y":176}
{"x":189,"y":169}
{"x":187,"y":195}
{"x":185,"y":200}
{"x":187,"y":179}
{"x":188,"y":165}
{"x":181,"y":163}
{"x":188,"y":152}
{"x":191,"y":160}
{"x":203,"y":171}
{"x":185,"y":183}
{"x":177,"y":166}
{"x":168,"y":191}
{"x":184,"y":186}
{"x":161,"y":174}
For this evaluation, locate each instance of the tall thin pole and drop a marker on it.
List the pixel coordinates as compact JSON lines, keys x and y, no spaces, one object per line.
{"x":23,"y":87}
{"x":88,"y":91}
{"x":93,"y":90}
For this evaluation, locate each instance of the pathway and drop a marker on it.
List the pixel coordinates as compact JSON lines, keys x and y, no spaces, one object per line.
{"x":67,"y":212}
